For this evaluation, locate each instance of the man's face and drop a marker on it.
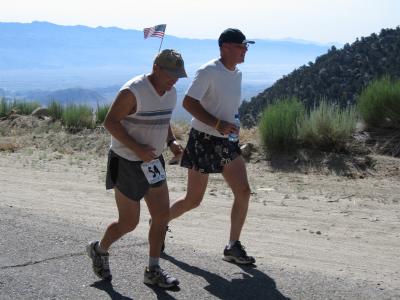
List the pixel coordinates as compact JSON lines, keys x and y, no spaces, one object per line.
{"x":166,"y":80}
{"x":237,"y":51}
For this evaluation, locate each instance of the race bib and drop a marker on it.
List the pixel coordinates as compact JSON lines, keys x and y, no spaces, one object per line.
{"x":154,"y":171}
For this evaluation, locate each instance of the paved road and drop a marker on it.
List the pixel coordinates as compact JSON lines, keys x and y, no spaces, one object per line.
{"x":42,"y":257}
{"x":49,"y":210}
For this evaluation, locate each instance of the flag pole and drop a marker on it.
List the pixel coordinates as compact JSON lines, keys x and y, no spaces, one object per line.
{"x":162,"y":39}
{"x":159,"y":49}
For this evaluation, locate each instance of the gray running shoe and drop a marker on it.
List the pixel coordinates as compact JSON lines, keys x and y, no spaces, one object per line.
{"x":100,"y":262}
{"x":238,"y":255}
{"x":157,"y":276}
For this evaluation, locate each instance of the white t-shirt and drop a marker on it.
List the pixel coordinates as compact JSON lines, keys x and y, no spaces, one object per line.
{"x":149,"y":124}
{"x":219,"y":91}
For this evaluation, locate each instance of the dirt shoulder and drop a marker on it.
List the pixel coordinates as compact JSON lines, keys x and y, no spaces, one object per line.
{"x":304,"y":218}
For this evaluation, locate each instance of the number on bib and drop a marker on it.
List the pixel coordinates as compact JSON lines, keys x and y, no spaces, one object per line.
{"x":154,"y":171}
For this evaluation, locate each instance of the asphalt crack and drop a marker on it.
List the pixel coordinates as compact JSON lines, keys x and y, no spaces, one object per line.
{"x":68,"y":255}
{"x":30,"y":263}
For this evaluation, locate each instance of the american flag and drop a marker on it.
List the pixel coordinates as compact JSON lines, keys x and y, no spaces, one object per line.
{"x":156,"y":31}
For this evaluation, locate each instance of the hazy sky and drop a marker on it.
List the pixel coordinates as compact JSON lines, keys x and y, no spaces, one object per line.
{"x":314,"y":20}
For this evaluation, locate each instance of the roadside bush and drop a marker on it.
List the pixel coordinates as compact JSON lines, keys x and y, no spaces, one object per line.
{"x":328,"y":127}
{"x":278,"y":124}
{"x":23,"y":107}
{"x":5,"y":107}
{"x":101,"y":113}
{"x":379,"y":103}
{"x":20,"y":107}
{"x":55,"y":109}
{"x":77,"y":116}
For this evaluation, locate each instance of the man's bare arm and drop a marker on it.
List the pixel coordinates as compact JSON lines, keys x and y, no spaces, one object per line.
{"x":125,"y":104}
{"x":195,"y":108}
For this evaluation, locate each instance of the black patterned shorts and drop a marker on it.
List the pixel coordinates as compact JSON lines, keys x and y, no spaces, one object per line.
{"x":207,"y":153}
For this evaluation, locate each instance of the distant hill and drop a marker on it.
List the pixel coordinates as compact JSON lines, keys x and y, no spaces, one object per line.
{"x":41,"y":55}
{"x":339,"y":75}
{"x":65,"y":96}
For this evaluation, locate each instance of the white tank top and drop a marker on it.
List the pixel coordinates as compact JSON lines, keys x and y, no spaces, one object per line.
{"x":149,"y":124}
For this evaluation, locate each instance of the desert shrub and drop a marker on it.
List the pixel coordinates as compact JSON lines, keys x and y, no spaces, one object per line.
{"x":5,"y":107}
{"x":379,"y":103}
{"x":391,"y":106}
{"x":55,"y":109}
{"x":327,"y":127}
{"x":27,"y":107}
{"x":23,"y":107}
{"x":101,"y":113}
{"x":278,"y":124}
{"x":77,"y":116}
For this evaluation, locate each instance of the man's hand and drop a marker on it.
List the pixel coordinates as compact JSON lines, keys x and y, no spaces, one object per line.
{"x":176,"y":148}
{"x":227,"y":128}
{"x":146,"y":153}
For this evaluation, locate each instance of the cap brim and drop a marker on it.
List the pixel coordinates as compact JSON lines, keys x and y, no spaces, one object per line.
{"x":181,"y":73}
{"x":248,"y":42}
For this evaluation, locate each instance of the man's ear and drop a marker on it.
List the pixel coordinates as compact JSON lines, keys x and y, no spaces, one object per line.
{"x":156,"y":68}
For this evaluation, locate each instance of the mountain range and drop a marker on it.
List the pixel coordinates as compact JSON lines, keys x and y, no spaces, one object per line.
{"x":42,"y":60}
{"x":338,"y":76}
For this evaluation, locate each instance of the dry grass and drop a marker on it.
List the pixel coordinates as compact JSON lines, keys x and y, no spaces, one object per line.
{"x":9,"y":147}
{"x":385,"y":141}
{"x":29,"y":136}
{"x":249,"y":135}
{"x":181,"y":130}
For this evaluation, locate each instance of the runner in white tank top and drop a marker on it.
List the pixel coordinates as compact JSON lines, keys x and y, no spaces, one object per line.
{"x":139,"y":123}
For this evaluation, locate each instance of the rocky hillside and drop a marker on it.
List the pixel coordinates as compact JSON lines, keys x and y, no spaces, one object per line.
{"x":340,"y":75}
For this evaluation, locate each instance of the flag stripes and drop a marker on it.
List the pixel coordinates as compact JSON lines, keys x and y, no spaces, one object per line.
{"x":155,"y":31}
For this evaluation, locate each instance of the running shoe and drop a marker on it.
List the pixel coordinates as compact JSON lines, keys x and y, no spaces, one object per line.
{"x":158,"y":276}
{"x":238,"y":255}
{"x":100,"y":264}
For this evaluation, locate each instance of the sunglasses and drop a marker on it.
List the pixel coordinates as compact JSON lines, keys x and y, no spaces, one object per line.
{"x":239,"y":46}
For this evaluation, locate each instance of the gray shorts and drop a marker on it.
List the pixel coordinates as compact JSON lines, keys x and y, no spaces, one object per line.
{"x":127,"y":176}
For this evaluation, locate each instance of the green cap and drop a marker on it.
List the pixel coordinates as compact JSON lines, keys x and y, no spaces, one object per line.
{"x":171,"y":62}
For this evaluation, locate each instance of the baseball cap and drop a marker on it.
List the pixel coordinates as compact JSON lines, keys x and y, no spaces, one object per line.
{"x":171,"y":62}
{"x":233,"y":35}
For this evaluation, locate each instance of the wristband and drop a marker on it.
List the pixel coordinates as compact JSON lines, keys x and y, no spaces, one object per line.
{"x":170,"y":142}
{"x":217,"y":125}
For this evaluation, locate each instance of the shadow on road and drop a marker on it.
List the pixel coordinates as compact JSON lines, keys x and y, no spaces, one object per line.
{"x":162,"y":294}
{"x":254,"y":284}
{"x":107,"y":286}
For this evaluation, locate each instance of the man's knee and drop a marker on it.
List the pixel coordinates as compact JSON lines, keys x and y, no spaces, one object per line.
{"x":243,"y":192}
{"x":193,"y":202}
{"x":161,"y":217}
{"x":127,"y":226}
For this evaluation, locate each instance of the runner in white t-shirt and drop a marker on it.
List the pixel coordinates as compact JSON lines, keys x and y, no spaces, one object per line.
{"x":213,"y":100}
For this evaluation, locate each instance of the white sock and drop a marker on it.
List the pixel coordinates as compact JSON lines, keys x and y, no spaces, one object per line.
{"x":154,"y":261}
{"x":99,"y":250}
